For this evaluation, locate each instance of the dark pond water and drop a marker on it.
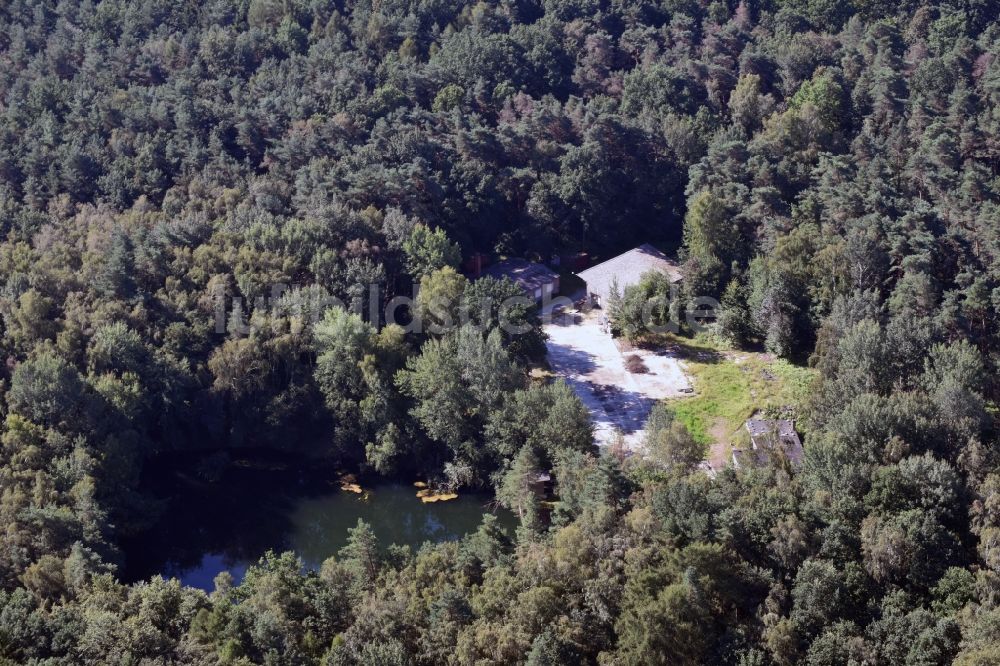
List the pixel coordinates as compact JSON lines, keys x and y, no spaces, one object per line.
{"x":229,"y":523}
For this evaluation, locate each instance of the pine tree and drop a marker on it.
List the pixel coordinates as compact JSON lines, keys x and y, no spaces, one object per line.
{"x":361,"y":554}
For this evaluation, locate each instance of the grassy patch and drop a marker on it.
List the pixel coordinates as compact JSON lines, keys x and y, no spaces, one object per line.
{"x":731,"y":385}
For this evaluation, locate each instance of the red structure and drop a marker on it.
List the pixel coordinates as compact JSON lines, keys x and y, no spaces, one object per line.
{"x":475,"y":264}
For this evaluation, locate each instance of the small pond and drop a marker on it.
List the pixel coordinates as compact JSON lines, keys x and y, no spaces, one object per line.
{"x":254,"y":506}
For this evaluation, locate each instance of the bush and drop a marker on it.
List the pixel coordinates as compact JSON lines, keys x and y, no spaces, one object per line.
{"x":635,"y":364}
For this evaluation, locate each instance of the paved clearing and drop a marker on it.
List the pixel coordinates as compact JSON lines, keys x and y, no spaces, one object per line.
{"x":619,"y":401}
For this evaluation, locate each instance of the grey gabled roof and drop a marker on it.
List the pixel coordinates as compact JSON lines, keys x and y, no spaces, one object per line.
{"x":628,"y":268}
{"x":526,"y":274}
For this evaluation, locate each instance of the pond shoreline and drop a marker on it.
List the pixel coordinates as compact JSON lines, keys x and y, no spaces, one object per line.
{"x":223,"y":513}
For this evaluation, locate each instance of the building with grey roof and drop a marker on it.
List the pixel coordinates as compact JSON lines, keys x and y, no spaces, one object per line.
{"x":626,"y":270}
{"x":538,"y":281}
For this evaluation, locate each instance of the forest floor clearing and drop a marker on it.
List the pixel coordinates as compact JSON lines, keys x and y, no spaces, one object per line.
{"x":588,"y":359}
{"x":730,"y":387}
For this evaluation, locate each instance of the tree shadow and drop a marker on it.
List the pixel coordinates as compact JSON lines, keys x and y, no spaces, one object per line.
{"x":210,"y":524}
{"x":576,"y":360}
{"x":630,"y":410}
{"x":564,"y":318}
{"x":683,"y":349}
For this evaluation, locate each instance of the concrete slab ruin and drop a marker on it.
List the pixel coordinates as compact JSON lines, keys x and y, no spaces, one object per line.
{"x":769,"y":438}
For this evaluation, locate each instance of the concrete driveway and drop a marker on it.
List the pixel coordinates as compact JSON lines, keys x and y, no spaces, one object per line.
{"x":619,"y":401}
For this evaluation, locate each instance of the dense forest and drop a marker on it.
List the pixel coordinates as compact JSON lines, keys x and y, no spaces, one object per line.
{"x":828,"y":170}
